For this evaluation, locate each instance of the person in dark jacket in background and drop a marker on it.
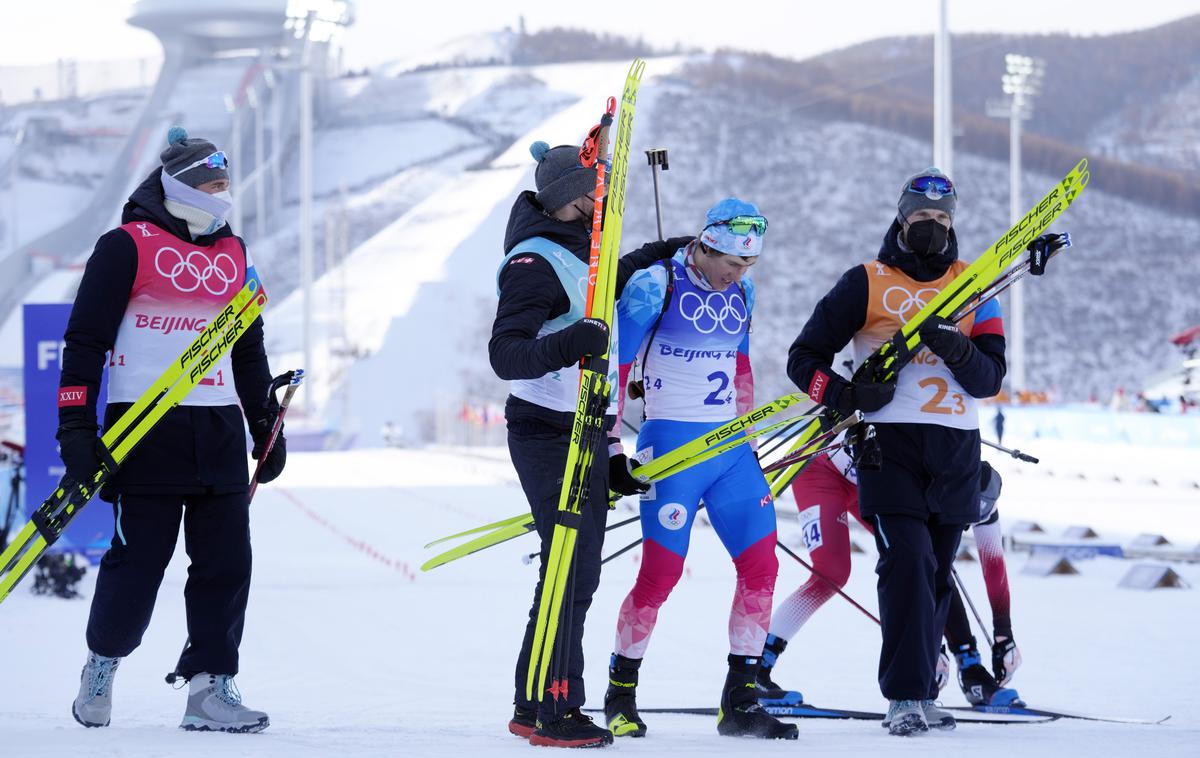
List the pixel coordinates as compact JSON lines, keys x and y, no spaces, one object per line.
{"x":927,"y":426}
{"x":538,"y":339}
{"x":149,"y":287}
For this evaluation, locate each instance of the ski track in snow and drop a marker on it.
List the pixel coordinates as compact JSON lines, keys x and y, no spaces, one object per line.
{"x":354,"y":657}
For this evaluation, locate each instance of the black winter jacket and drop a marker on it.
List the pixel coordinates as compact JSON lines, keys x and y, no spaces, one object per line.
{"x":842,"y":312}
{"x":943,"y":460}
{"x":531,"y":294}
{"x":193,"y":449}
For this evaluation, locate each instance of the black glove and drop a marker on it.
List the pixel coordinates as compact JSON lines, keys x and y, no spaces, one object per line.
{"x":1005,"y":659}
{"x":945,"y":339}
{"x":82,"y":451}
{"x":587,"y":336}
{"x":864,"y":396}
{"x":1041,"y":248}
{"x":272,"y":467}
{"x":619,"y":478}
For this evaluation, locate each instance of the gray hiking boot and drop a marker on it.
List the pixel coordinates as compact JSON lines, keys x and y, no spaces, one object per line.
{"x":93,"y":704}
{"x":936,"y":716}
{"x":215,"y":705}
{"x":905,"y":717}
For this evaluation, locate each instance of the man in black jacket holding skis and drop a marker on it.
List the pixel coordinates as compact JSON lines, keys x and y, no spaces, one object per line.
{"x":927,"y":426}
{"x":148,"y":288}
{"x":538,"y":339}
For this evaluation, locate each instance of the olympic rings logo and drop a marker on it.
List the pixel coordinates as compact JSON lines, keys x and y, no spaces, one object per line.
{"x":905,"y":304}
{"x":715,"y":310}
{"x":188,"y":272}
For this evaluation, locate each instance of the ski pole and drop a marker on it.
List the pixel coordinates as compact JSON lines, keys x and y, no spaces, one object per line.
{"x":1014,"y":453}
{"x":827,"y":580}
{"x":656,"y":157}
{"x":1033,"y":264}
{"x":963,"y":589}
{"x":528,"y":559}
{"x":822,"y":441}
{"x":622,"y":551}
{"x":291,"y":380}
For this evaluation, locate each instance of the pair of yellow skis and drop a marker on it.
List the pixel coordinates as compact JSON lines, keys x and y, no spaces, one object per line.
{"x":988,"y":275}
{"x":587,"y":433}
{"x":69,"y":497}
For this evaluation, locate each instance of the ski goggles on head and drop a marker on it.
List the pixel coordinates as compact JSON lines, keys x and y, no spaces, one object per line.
{"x":933,"y":187}
{"x":743,"y":224}
{"x":214,"y":160}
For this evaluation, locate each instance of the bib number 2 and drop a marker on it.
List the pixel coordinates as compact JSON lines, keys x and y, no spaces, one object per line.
{"x":715,"y":397}
{"x":956,"y":406}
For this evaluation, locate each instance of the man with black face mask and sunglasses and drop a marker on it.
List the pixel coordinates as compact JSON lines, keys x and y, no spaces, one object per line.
{"x":927,"y":426}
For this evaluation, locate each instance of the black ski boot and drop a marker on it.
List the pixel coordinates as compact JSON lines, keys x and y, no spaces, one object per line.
{"x":571,"y":729}
{"x":620,"y":700}
{"x":523,"y":722}
{"x":770,"y":693}
{"x":977,"y":683}
{"x":740,"y":714}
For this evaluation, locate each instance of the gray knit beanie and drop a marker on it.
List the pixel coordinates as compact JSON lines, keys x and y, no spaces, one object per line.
{"x":560,"y":177}
{"x":193,"y":161}
{"x":913,"y":200}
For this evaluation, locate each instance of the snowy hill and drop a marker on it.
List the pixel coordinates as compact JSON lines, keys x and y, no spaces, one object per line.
{"x":1130,"y":96}
{"x":828,"y":187}
{"x":419,"y":163}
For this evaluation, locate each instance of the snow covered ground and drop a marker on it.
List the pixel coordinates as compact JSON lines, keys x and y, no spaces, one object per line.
{"x":354,"y":652}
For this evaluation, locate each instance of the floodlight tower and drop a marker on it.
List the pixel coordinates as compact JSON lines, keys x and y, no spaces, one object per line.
{"x":1021,"y":82}
{"x":943,"y":100}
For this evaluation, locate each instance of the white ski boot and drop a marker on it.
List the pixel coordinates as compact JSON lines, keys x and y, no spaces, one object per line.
{"x":215,"y":705}
{"x":93,"y":704}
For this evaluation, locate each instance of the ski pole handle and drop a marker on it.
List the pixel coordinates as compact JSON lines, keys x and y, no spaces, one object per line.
{"x":657,"y":156}
{"x":290,"y":379}
{"x":1014,"y":453}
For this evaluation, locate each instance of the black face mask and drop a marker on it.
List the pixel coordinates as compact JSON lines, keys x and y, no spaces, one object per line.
{"x":585,"y":219}
{"x":926,"y":237}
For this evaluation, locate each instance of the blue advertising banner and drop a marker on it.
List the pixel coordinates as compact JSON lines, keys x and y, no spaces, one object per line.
{"x":90,"y":531}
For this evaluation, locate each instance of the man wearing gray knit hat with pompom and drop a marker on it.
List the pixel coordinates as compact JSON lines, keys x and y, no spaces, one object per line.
{"x":538,"y":339}
{"x":149,"y":288}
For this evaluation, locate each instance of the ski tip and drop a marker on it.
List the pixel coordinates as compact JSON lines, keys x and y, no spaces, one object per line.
{"x":637,"y":68}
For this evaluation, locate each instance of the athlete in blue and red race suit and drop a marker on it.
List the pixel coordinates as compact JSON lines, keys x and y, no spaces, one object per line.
{"x":688,"y":322}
